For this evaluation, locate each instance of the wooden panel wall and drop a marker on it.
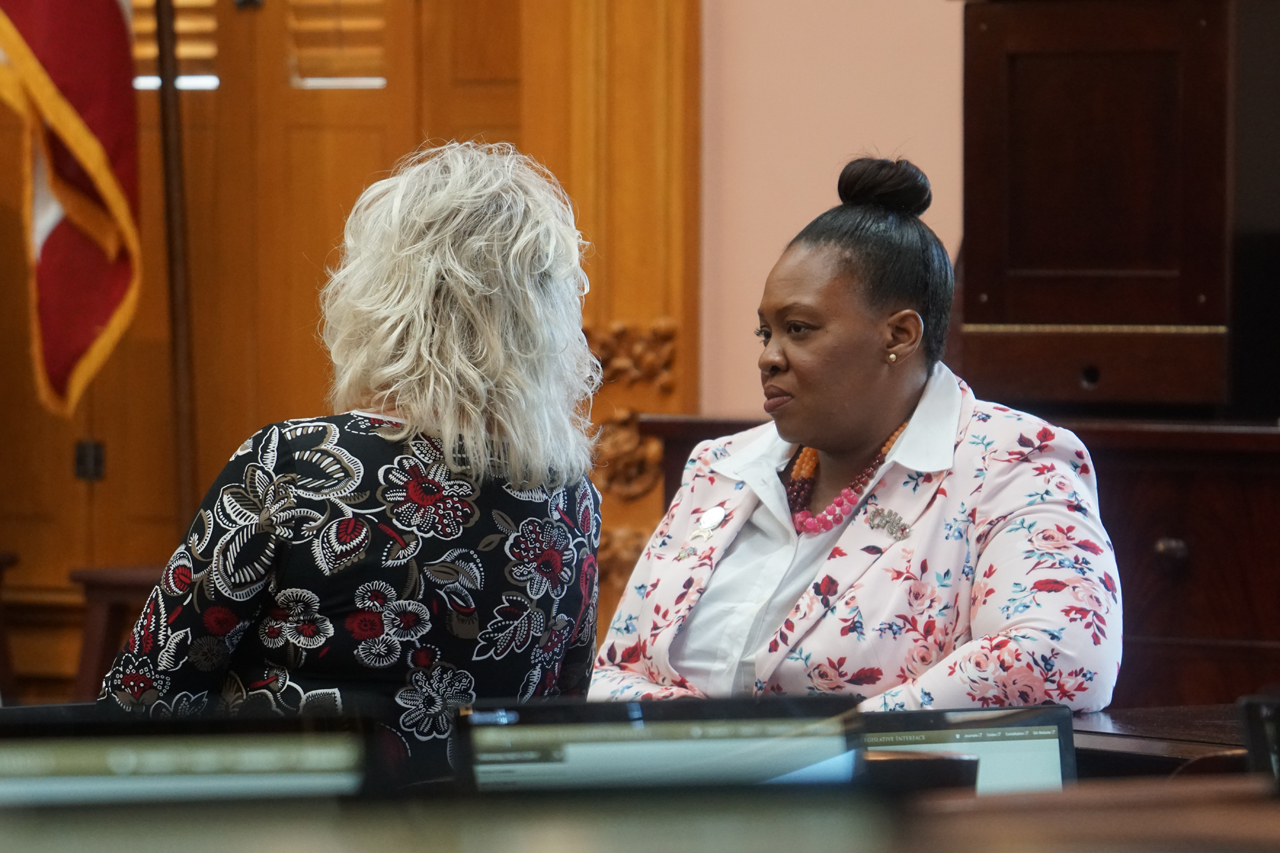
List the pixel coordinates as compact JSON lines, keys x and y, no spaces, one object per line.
{"x":470,"y":70}
{"x":1096,"y":171}
{"x":40,"y":501}
{"x":224,"y":262}
{"x":317,"y":150}
{"x":610,"y":102}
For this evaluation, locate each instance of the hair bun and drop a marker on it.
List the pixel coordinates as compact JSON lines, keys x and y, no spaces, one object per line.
{"x":895,"y":185}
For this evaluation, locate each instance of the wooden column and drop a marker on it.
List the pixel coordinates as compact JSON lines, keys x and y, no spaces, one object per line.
{"x":610,"y":100}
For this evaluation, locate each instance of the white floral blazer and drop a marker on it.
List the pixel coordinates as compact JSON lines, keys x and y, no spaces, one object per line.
{"x":989,"y":583}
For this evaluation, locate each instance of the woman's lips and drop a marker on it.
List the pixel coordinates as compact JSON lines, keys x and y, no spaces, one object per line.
{"x":772,"y":404}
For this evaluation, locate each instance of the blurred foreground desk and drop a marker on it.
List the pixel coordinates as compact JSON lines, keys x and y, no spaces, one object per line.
{"x":1192,"y":813}
{"x":1217,"y":813}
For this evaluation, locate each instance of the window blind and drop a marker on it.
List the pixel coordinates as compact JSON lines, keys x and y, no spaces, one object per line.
{"x":337,"y":40}
{"x":196,"y":27}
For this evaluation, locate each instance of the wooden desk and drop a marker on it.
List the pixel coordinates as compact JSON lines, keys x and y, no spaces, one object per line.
{"x":1192,"y":813}
{"x":1160,"y":741}
{"x":113,"y":599}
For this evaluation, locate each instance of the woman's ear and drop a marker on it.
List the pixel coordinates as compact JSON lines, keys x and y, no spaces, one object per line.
{"x":905,"y":330}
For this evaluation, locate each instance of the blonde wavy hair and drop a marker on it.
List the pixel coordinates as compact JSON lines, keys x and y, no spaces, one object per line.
{"x":457,"y":305}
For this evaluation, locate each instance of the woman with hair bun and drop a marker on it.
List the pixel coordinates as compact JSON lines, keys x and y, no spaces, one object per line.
{"x":435,"y":542}
{"x":888,"y":536}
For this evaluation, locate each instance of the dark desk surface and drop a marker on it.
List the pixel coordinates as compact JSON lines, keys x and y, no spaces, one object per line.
{"x":1202,"y":724}
{"x":129,"y":581}
{"x":1159,"y":741}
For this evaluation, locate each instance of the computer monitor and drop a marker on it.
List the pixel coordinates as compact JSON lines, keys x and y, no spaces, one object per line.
{"x":1018,"y":749}
{"x":75,"y":754}
{"x":1260,"y":717}
{"x":782,"y":740}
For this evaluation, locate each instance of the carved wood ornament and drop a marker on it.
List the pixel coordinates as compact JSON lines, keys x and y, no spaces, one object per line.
{"x":627,"y":465}
{"x":630,"y":355}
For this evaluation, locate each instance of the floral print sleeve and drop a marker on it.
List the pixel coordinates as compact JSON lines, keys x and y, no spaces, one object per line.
{"x":625,"y":668}
{"x":1044,"y":616}
{"x":575,"y":669}
{"x":216,"y":585}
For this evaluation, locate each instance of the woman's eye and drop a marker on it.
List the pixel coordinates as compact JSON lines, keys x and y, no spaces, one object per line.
{"x":763,"y":335}
{"x":796,"y":328}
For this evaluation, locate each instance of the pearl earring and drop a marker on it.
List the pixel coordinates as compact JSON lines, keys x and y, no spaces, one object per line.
{"x":893,"y":356}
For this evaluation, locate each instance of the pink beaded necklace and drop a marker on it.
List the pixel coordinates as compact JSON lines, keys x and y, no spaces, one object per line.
{"x":804,"y":475}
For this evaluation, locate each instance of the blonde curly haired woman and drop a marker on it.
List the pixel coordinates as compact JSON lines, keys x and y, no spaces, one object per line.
{"x":435,"y":542}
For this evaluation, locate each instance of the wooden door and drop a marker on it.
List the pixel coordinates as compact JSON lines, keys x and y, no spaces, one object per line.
{"x":470,"y":70}
{"x":337,"y":105}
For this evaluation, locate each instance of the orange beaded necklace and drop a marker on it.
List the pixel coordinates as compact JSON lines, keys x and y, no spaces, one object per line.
{"x":800,"y":490}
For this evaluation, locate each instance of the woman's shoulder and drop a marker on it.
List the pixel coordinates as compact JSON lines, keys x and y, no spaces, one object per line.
{"x":327,"y":455}
{"x":993,"y":425}
{"x":724,"y":446}
{"x":329,"y":428}
{"x":576,"y":501}
{"x":1019,"y":455}
{"x":580,"y":491}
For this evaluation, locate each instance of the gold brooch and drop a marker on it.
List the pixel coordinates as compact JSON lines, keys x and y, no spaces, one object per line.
{"x":889,"y":521}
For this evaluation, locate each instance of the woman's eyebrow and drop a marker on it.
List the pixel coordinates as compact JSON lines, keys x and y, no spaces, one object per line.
{"x":789,"y":307}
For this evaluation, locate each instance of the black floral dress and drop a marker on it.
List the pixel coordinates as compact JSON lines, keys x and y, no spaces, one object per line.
{"x":332,"y":570}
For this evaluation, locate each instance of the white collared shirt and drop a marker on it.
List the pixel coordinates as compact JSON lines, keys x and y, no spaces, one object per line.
{"x":768,"y":565}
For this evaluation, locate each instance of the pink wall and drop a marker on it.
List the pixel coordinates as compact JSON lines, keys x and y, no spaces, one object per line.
{"x":792,"y":90}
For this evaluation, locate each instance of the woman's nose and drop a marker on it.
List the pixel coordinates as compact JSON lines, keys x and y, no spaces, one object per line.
{"x":771,"y":358}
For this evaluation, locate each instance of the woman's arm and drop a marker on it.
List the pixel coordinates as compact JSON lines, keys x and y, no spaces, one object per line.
{"x":624,"y":669}
{"x":213,"y":588}
{"x":575,"y":670}
{"x":1044,"y":607}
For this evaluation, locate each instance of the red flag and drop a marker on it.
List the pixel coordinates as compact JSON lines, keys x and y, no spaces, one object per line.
{"x":67,"y":70}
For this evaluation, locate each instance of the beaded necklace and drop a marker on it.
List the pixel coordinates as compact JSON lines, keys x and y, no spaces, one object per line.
{"x":804,"y":475}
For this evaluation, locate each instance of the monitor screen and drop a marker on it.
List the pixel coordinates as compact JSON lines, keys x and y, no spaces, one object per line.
{"x":88,"y":769}
{"x":1023,"y":749}
{"x":641,"y":744}
{"x":87,"y":757}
